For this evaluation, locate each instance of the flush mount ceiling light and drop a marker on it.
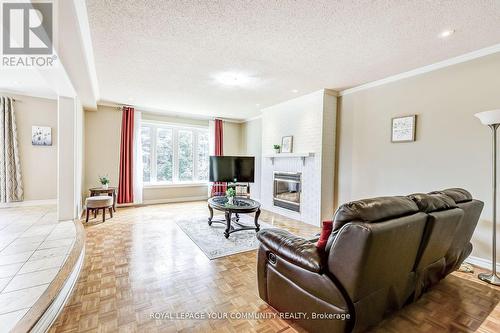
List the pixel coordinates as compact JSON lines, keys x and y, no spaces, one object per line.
{"x":295,"y":91}
{"x":233,"y":79}
{"x":447,"y":33}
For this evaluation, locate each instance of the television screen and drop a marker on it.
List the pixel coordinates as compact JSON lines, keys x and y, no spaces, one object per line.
{"x":232,"y":169}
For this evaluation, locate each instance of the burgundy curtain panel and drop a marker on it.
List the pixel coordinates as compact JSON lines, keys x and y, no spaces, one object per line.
{"x":219,"y":188}
{"x":126,"y":181}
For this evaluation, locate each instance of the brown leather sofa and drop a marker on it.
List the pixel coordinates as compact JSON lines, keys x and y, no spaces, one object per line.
{"x":383,"y":253}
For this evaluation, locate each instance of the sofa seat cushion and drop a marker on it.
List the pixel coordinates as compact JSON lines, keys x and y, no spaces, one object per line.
{"x":374,"y":210}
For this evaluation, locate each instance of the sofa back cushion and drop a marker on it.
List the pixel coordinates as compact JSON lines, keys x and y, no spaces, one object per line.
{"x":373,"y":210}
{"x":461,"y":247}
{"x":458,"y":195}
{"x":444,"y":219}
{"x":374,"y":263}
{"x":432,"y":202}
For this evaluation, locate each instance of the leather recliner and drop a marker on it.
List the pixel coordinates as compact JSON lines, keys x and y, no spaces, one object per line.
{"x":383,"y":253}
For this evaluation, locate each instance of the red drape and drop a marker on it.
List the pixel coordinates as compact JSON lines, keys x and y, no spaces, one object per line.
{"x":126,"y":181}
{"x":219,"y":188}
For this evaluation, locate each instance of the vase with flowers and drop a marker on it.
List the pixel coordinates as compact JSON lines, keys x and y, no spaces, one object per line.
{"x":230,"y":194}
{"x":104,"y":180}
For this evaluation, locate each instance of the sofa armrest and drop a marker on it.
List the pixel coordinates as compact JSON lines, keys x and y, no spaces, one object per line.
{"x":294,"y":249}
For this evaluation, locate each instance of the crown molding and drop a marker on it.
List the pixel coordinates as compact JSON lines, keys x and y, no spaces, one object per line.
{"x":252,"y":118}
{"x":425,"y":69}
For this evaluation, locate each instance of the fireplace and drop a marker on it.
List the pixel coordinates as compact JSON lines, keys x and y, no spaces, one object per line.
{"x":287,"y":188}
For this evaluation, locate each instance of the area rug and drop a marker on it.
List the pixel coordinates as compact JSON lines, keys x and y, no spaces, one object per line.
{"x":211,"y":240}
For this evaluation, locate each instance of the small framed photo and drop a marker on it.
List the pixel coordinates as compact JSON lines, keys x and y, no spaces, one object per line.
{"x":41,"y":136}
{"x":403,"y":128}
{"x":287,"y":144}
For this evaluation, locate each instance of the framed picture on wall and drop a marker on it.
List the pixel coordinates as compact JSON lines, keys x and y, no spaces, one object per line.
{"x":41,"y":136}
{"x":287,"y":144}
{"x":403,"y":129}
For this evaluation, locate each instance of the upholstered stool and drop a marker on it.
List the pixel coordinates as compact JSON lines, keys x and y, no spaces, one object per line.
{"x":99,"y":202}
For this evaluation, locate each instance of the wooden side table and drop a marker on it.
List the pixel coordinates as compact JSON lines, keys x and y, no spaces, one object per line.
{"x":111,"y":191}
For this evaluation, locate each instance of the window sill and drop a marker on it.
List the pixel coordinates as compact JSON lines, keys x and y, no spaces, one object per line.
{"x":173,"y":185}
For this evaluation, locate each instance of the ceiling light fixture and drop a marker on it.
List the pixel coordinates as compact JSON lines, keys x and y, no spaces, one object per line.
{"x":446,"y":33}
{"x":295,"y":91}
{"x":233,"y":79}
{"x":257,"y":104}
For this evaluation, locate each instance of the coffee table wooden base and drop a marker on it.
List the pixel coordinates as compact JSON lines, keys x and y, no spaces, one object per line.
{"x":230,"y":221}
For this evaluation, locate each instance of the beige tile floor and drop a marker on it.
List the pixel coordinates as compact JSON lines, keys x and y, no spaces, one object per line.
{"x":33,"y":247}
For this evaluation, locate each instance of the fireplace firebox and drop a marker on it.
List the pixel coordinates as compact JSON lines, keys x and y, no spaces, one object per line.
{"x":287,"y":188}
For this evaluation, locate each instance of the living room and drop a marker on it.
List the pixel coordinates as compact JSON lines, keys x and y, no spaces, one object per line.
{"x":249,"y":166}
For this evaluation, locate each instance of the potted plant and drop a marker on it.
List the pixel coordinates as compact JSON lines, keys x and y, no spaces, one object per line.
{"x":277,"y":148}
{"x":104,"y":180}
{"x":230,"y":194}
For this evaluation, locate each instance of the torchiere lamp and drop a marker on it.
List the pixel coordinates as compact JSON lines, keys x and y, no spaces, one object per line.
{"x":492,"y":119}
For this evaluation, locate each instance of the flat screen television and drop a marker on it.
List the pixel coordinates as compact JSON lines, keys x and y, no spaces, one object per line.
{"x":232,"y":169}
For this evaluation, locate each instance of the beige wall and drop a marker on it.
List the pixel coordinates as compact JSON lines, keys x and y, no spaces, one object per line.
{"x":173,"y":119}
{"x":102,"y":145}
{"x":251,"y":145}
{"x":102,"y":152}
{"x":38,"y":163}
{"x":233,"y":140}
{"x":452,"y":147}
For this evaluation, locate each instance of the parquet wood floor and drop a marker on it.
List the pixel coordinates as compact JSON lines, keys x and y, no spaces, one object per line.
{"x":140,"y":262}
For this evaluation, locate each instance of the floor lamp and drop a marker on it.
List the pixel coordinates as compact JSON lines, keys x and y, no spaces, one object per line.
{"x":492,"y":119}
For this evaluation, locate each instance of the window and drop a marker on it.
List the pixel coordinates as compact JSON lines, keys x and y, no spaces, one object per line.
{"x":173,"y":154}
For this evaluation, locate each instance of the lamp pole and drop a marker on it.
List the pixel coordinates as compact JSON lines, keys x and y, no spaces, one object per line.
{"x":492,"y":277}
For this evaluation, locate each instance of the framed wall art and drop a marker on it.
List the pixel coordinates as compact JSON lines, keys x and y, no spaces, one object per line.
{"x":403,"y":129}
{"x":287,"y":144}
{"x":41,"y":136}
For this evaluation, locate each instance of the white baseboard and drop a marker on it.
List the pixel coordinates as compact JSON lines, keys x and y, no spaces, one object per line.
{"x":164,"y":201}
{"x":481,"y":262}
{"x":173,"y":200}
{"x":28,"y":203}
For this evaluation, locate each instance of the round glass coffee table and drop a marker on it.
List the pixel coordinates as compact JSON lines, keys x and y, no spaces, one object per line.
{"x":240,"y":206}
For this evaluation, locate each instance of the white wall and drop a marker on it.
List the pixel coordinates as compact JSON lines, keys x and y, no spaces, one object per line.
{"x":38,"y":163}
{"x":68,"y":193}
{"x":300,"y":117}
{"x":310,"y":119}
{"x":251,"y":134}
{"x":452,"y":148}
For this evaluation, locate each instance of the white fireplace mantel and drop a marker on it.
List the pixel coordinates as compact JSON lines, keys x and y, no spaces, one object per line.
{"x":302,"y":156}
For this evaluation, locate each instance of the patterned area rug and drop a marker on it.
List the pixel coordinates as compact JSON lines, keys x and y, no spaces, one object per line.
{"x":211,"y":240}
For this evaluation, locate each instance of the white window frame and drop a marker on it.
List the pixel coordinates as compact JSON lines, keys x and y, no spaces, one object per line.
{"x":196,"y":130}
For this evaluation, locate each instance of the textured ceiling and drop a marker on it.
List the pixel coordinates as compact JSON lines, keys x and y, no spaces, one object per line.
{"x":164,"y":54}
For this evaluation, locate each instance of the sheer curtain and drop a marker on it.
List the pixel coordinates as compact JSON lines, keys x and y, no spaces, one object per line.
{"x":137,"y":167}
{"x":11,"y":188}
